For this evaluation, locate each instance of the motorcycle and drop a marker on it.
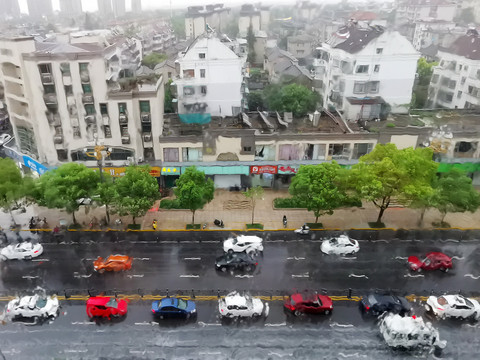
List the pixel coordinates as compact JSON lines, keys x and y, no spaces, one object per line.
{"x":304,"y":230}
{"x":219,"y":223}
{"x":154,"y":225}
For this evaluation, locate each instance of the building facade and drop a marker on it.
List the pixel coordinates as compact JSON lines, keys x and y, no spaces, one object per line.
{"x":300,"y":46}
{"x":198,"y":17}
{"x":366,"y":72}
{"x":210,"y":78}
{"x":455,"y":83}
{"x":118,"y":7}
{"x":425,"y":10}
{"x":258,"y":17}
{"x":71,"y":7}
{"x":136,"y":6}
{"x":105,"y":8}
{"x":10,"y":9}
{"x":39,"y":8}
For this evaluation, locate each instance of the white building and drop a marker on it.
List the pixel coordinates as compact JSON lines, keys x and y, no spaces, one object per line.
{"x":425,"y":10}
{"x":118,"y":7}
{"x":455,"y":81}
{"x":63,"y":99}
{"x":136,"y":6}
{"x":437,"y":33}
{"x":105,"y":7}
{"x":256,"y":16}
{"x":39,"y":8}
{"x":365,"y":72}
{"x":210,"y":78}
{"x":10,"y":9}
{"x":198,"y":17}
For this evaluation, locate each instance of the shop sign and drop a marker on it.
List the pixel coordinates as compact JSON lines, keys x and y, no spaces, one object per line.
{"x":170,"y":170}
{"x":287,"y":169}
{"x":120,"y":171}
{"x":263,"y":169}
{"x":34,"y":165}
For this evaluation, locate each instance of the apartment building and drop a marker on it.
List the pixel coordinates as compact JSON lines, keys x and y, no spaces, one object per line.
{"x":301,"y":45}
{"x":455,"y":82}
{"x":425,"y":10}
{"x":39,"y":8}
{"x":136,"y":6}
{"x":436,"y":33}
{"x":10,"y":9}
{"x":210,"y":79}
{"x":198,"y":17}
{"x":105,"y":8}
{"x":71,"y":7}
{"x":65,"y":98}
{"x":256,"y":16}
{"x":118,"y":7}
{"x":365,"y":72}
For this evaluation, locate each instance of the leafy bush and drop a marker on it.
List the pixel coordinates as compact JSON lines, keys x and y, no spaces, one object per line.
{"x":170,"y":204}
{"x":390,"y":125}
{"x":287,"y":203}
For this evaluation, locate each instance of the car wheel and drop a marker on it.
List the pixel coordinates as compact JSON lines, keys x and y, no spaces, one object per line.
{"x":223,"y":269}
{"x":101,"y":271}
{"x":248,"y":268}
{"x":297,"y":313}
{"x":428,"y":308}
{"x":327,"y":312}
{"x":230,"y":251}
{"x":419,"y":270}
{"x":28,"y":258}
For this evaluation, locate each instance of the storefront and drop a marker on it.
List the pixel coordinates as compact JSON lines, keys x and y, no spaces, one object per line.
{"x":263,"y":175}
{"x":226,"y":177}
{"x":285,"y":175}
{"x":169,"y":174}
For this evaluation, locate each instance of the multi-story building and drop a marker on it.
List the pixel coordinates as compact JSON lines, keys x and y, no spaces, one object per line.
{"x":71,"y":7}
{"x":305,"y":11}
{"x":364,"y":72}
{"x":455,"y":81}
{"x":118,"y":7}
{"x":39,"y":8}
{"x":256,"y":16}
{"x":210,"y":79}
{"x":436,"y":33}
{"x":425,"y":10}
{"x":64,"y":98}
{"x":105,"y":9}
{"x":300,"y":46}
{"x":10,"y":9}
{"x":198,"y":17}
{"x":136,"y":6}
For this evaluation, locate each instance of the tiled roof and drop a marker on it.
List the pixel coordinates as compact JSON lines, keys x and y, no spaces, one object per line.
{"x":353,"y":38}
{"x":467,"y":46}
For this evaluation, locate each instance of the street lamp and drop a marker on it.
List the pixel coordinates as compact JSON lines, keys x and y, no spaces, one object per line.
{"x":99,"y":152}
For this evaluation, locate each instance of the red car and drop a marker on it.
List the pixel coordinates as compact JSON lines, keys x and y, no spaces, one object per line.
{"x":309,"y":304}
{"x":433,"y":261}
{"x":113,"y":263}
{"x":106,"y":307}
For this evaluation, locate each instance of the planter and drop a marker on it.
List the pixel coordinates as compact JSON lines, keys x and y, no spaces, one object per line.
{"x":255,"y":226}
{"x":74,"y":227}
{"x":134,"y":226}
{"x":314,"y":226}
{"x":376,"y":225}
{"x":193,"y":226}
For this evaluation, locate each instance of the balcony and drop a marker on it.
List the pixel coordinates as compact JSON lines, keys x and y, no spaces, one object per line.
{"x":85,"y":77}
{"x":90,"y":119}
{"x":50,"y":100}
{"x":126,"y":139}
{"x":58,"y":139}
{"x":145,"y":117}
{"x":123,"y":119}
{"x":147,"y":137}
{"x":47,"y":78}
{"x":87,"y":98}
{"x":54,"y":119}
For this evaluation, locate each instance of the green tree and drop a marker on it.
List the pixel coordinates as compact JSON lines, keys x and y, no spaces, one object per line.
{"x":420,"y":92}
{"x":251,"y":45}
{"x":153,"y":59}
{"x":13,"y":187}
{"x":167,"y":102}
{"x":106,"y":194}
{"x":253,"y":194}
{"x":388,"y":172}
{"x":294,"y":98}
{"x":454,"y":192}
{"x":193,"y":191}
{"x":135,"y":192}
{"x":318,"y":188}
{"x":255,"y":100}
{"x":178,"y":25}
{"x":61,"y":188}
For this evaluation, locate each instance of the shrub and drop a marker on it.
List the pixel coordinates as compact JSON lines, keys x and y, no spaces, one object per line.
{"x":287,"y":203}
{"x":390,"y":125}
{"x":170,"y":204}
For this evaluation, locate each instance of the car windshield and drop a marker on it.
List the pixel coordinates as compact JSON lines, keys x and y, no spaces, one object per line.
{"x":351,"y":241}
{"x":468,"y":302}
{"x":234,"y":241}
{"x":182,"y":304}
{"x":41,"y":303}
{"x":372,"y":299}
{"x":112,"y":303}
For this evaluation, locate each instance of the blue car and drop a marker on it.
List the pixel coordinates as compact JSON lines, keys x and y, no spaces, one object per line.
{"x":173,"y":307}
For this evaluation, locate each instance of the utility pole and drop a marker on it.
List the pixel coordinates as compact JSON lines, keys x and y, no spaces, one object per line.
{"x":98,"y":154}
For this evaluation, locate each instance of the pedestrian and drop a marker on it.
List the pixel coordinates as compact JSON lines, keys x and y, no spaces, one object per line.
{"x":154,"y":224}
{"x":284,"y":221}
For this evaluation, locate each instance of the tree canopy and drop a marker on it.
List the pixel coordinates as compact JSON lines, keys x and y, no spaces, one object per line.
{"x":294,"y":98}
{"x":388,"y":172}
{"x":153,"y":59}
{"x":136,"y":192}
{"x":420,"y":93}
{"x":318,"y":188}
{"x":62,"y":187}
{"x":253,"y":194}
{"x":193,"y":191}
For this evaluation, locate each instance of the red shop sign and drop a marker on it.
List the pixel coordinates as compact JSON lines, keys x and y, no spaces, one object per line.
{"x":264,"y":169}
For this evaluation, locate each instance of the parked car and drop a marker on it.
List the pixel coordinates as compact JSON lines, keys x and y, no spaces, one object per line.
{"x":4,"y":138}
{"x":36,"y":307}
{"x":244,"y":243}
{"x":106,"y":307}
{"x":453,"y":306}
{"x":113,"y":263}
{"x":242,"y":305}
{"x":341,"y":245}
{"x":172,"y":307}
{"x":22,"y":251}
{"x":376,"y":304}
{"x":309,"y":304}
{"x":432,"y":261}
{"x":236,"y":261}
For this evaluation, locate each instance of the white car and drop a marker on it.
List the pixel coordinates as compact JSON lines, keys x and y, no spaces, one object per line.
{"x":4,"y":138}
{"x":36,"y":306}
{"x":341,"y":245}
{"x":453,"y":306}
{"x":249,"y":244}
{"x":242,"y":305}
{"x":24,"y":250}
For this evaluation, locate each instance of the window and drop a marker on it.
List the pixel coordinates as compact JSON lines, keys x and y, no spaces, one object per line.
{"x":203,"y":89}
{"x":452,"y":84}
{"x":359,"y":87}
{"x":107,"y":131}
{"x":202,"y":73}
{"x":472,"y":90}
{"x":90,"y":109}
{"x":104,"y":109}
{"x":83,"y":67}
{"x":65,"y":69}
{"x":87,"y":88}
{"x":169,"y":74}
{"x":362,"y":69}
{"x":49,"y":89}
{"x":192,"y":154}
{"x":361,"y":149}
{"x":188,"y":91}
{"x":62,"y":155}
{"x":201,"y":55}
{"x":170,"y":154}
{"x":122,"y":108}
{"x":76,"y":132}
{"x":377,"y":68}
{"x":188,"y":73}
{"x":289,"y":152}
{"x":144,"y":106}
{"x":379,"y":51}
{"x":339,"y":151}
{"x":459,"y":94}
{"x":465,"y":68}
{"x":374,"y":86}
{"x":463,"y":80}
{"x":45,"y":68}
{"x":68,"y":90}
{"x":247,"y":148}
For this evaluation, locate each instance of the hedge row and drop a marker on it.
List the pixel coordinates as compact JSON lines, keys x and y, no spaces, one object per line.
{"x":171,"y":204}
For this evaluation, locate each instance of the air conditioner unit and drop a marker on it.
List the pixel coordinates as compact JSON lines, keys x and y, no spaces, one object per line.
{"x":126,"y":139}
{"x":145,"y":117}
{"x":90,"y":119}
{"x":147,"y":137}
{"x":58,"y":139}
{"x":47,"y":78}
{"x":123,"y":119}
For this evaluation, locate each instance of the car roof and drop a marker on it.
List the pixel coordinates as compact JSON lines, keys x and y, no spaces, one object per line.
{"x":235,"y":299}
{"x":438,"y":255}
{"x":117,"y":257}
{"x":250,"y":238}
{"x":304,"y":297}
{"x":169,"y":301}
{"x":454,"y":299}
{"x":98,"y":300}
{"x":28,"y":300}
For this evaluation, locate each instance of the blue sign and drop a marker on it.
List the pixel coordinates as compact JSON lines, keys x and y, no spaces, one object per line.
{"x":34,"y":165}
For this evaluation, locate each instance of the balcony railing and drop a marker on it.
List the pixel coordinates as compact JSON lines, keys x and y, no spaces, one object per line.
{"x":90,"y":119}
{"x":50,"y":99}
{"x":123,"y":118}
{"x":47,"y":78}
{"x":87,"y":98}
{"x":145,"y":116}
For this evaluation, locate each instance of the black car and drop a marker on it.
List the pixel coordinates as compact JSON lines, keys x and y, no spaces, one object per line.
{"x":376,"y":304}
{"x":235,"y":261}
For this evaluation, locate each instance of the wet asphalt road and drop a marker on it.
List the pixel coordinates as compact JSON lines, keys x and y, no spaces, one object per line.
{"x":288,"y":262}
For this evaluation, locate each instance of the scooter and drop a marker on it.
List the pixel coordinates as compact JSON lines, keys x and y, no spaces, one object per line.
{"x":304,"y":230}
{"x":154,"y":225}
{"x":219,"y":223}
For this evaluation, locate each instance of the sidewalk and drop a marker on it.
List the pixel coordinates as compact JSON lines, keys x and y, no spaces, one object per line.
{"x":235,"y":211}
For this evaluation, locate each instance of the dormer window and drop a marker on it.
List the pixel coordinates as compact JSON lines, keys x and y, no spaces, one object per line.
{"x":379,"y":51}
{"x":201,"y":55}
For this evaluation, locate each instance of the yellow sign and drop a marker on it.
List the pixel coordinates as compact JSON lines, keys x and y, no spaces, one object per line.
{"x":120,"y":171}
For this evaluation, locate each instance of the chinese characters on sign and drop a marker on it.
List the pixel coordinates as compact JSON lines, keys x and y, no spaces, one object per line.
{"x":120,"y":171}
{"x":287,"y":170}
{"x":263,"y":169}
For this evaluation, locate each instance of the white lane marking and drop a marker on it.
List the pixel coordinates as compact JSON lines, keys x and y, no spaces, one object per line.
{"x":78,"y":276}
{"x":75,"y":351}
{"x":358,"y":276}
{"x":472,"y":276}
{"x":450,"y":240}
{"x":348,"y":257}
{"x":279,"y":355}
{"x":275,"y":325}
{"x":274,"y":240}
{"x":375,"y":241}
{"x":295,"y":258}
{"x":189,"y":276}
{"x":135,"y":276}
{"x":414,"y":276}
{"x":13,"y":352}
{"x":30,"y":277}
{"x":244,"y":276}
{"x":341,"y":325}
{"x":168,"y":242}
{"x":306,"y":275}
{"x":350,"y":355}
{"x":146,"y":323}
{"x":143,"y":352}
{"x":193,"y":258}
{"x":210,"y":241}
{"x":458,"y":257}
{"x":401,"y":258}
{"x":143,"y":242}
{"x":201,"y":323}
{"x":89,"y":259}
{"x":141,"y":259}
{"x":40,"y":260}
{"x":83,"y":323}
{"x":209,"y":353}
